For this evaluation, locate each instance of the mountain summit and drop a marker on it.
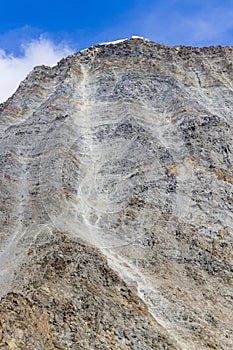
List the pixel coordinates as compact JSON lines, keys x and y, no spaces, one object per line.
{"x":116,"y":201}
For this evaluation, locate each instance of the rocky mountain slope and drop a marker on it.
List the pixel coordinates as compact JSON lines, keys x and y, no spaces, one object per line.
{"x":116,"y":201}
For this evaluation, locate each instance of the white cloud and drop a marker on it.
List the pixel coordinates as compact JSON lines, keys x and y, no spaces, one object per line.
{"x":14,"y":69}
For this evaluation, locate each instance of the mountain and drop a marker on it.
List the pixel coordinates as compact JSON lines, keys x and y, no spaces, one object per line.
{"x":116,"y":201}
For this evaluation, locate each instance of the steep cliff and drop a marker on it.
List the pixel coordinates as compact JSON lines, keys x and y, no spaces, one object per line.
{"x":116,"y":201}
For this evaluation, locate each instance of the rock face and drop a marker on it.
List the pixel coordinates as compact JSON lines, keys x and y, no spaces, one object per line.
{"x":116,"y":201}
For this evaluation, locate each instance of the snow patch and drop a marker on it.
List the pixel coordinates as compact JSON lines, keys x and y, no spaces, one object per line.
{"x":84,"y":49}
{"x":117,"y":41}
{"x":114,"y":42}
{"x":107,"y":43}
{"x":139,"y":37}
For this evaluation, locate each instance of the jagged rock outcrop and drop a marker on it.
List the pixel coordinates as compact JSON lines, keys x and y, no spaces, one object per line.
{"x":116,"y":201}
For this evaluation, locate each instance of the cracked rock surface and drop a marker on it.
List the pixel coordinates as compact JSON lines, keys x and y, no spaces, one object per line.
{"x":116,"y":201}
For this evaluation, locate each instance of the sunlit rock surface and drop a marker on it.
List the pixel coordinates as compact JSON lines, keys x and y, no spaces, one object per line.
{"x":116,"y":201}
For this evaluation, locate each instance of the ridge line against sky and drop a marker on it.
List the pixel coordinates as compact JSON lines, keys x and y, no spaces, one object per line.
{"x":42,"y":33}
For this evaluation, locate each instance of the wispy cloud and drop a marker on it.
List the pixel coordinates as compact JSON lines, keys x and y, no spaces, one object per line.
{"x":14,"y":69}
{"x":212,"y":27}
{"x":174,"y":22}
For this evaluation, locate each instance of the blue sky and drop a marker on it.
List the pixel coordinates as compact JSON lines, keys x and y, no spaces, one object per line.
{"x":29,"y":28}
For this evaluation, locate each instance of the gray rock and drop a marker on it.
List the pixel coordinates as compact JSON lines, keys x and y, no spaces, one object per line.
{"x":118,"y":162}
